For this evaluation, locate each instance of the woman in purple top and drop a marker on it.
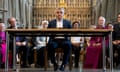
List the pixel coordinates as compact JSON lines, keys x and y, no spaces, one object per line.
{"x":93,"y":57}
{"x":2,"y":42}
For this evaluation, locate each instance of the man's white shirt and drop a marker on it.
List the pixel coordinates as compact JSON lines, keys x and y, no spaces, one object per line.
{"x":59,"y":25}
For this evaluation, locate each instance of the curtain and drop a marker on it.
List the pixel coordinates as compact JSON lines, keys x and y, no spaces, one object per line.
{"x":20,"y":9}
{"x":107,"y":8}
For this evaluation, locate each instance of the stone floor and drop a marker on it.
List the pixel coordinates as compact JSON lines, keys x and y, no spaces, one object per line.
{"x":50,"y":69}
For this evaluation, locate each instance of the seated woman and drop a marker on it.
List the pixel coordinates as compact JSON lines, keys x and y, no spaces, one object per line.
{"x":93,"y":57}
{"x":40,"y":45}
{"x":77,"y":44}
{"x":2,"y":44}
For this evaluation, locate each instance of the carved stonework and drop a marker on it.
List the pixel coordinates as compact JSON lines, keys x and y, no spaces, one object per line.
{"x":75,"y":10}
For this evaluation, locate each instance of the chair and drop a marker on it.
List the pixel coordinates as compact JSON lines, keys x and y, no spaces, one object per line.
{"x":45,"y":53}
{"x":60,"y":50}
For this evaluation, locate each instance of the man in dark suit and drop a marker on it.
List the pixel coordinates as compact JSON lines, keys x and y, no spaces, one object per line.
{"x":59,"y":42}
{"x":116,"y":42}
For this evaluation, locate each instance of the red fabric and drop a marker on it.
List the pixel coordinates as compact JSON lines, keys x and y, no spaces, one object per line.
{"x":93,"y":57}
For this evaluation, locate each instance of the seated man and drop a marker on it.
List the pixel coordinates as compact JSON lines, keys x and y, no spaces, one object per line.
{"x":94,"y":57}
{"x":116,"y":42}
{"x":21,"y":45}
{"x":59,"y":42}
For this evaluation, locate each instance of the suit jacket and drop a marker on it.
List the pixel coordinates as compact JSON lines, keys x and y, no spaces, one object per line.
{"x":11,"y":37}
{"x":116,"y":32}
{"x":66,"y":24}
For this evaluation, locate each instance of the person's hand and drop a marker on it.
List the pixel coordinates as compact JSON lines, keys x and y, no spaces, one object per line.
{"x":76,"y":44}
{"x":115,"y":42}
{"x":118,"y":41}
{"x":23,"y":43}
{"x":18,"y":43}
{"x":96,"y":44}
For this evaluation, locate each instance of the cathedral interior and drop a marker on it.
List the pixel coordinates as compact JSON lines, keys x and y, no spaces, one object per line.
{"x":31,"y":13}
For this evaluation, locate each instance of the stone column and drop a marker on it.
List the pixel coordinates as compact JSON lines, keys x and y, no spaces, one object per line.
{"x":5,"y":15}
{"x":104,"y":7}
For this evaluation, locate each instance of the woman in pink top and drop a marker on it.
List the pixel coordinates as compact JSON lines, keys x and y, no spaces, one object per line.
{"x":2,"y":43}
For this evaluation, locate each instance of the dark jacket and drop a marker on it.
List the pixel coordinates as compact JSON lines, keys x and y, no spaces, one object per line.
{"x":66,"y":24}
{"x":116,"y":32}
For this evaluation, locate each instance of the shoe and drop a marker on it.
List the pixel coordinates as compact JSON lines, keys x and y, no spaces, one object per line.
{"x":10,"y":66}
{"x":24,"y":66}
{"x":55,"y":67}
{"x":37,"y":66}
{"x":62,"y":68}
{"x":76,"y":66}
{"x":2,"y":65}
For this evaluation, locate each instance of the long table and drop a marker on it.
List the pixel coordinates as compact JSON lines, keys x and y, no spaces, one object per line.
{"x":61,"y":32}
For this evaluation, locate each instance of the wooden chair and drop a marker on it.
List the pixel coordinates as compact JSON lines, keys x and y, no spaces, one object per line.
{"x":46,"y":59}
{"x":60,"y":50}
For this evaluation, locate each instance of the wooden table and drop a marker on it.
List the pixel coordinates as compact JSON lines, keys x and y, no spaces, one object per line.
{"x":61,"y":32}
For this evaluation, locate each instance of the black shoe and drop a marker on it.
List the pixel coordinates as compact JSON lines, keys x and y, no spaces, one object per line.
{"x":62,"y":68}
{"x":76,"y":66}
{"x":2,"y":65}
{"x":24,"y":66}
{"x":55,"y":67}
{"x":37,"y":66}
